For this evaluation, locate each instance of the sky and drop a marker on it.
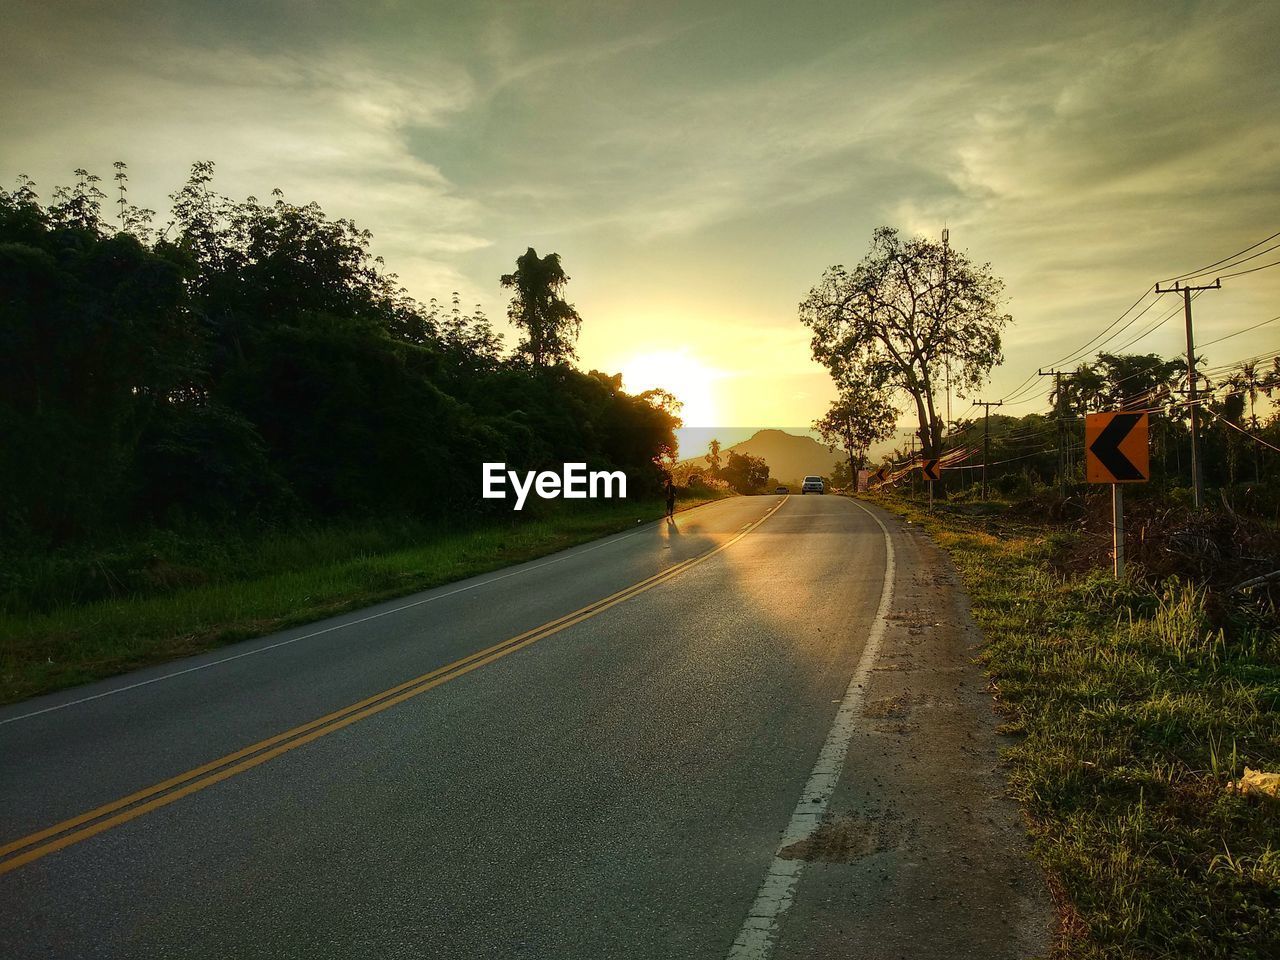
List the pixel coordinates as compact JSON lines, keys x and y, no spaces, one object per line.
{"x":699,"y":165}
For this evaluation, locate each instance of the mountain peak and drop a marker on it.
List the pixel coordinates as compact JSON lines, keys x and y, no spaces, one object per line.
{"x":790,"y":457}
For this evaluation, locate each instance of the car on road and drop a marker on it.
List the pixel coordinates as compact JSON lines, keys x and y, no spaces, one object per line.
{"x":812,"y":485}
{"x":781,"y":489}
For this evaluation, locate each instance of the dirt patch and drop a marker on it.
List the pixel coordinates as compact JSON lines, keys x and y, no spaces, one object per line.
{"x":899,"y":729}
{"x":913,"y":620}
{"x":888,"y":707}
{"x":840,"y":840}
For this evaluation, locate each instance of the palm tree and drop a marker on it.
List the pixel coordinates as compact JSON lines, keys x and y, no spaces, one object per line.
{"x":1231,"y":406}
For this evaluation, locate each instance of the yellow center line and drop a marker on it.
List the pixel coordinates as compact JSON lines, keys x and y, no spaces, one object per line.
{"x":198,"y":778}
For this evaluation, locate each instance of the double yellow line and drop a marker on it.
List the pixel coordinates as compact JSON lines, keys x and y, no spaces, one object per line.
{"x":32,"y":847}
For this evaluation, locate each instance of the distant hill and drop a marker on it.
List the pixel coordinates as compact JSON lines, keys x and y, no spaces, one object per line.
{"x":790,"y":457}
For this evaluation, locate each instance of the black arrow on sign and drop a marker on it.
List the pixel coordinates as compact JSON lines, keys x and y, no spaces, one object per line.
{"x":1107,"y":447}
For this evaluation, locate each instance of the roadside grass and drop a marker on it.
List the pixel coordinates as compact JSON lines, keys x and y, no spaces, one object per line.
{"x":1134,"y":709}
{"x":214,"y":592}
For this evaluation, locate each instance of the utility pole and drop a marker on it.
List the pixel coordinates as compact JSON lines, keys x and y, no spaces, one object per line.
{"x":986,"y":436}
{"x":1197,"y":469}
{"x":946,"y":316}
{"x":1064,"y":464}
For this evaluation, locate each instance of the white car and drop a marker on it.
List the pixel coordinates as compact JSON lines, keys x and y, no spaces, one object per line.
{"x":812,"y":485}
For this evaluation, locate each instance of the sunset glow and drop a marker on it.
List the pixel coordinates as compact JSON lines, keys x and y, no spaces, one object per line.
{"x":684,"y":374}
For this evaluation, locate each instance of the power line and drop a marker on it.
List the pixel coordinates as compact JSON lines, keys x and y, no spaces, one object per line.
{"x":1021,"y":393}
{"x":1238,"y":332}
{"x":1102,"y":337}
{"x":1223,"y":367}
{"x":1261,"y":253}
{"x":1154,"y":327}
{"x":1241,"y":273}
{"x":1205,"y":269}
{"x":1043,"y":394}
{"x":1233,"y":426}
{"x":1097,"y":343}
{"x":1080,"y":351}
{"x":996,"y":463}
{"x":1208,"y":372}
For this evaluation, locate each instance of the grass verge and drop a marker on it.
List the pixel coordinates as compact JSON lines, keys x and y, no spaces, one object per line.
{"x":1134,"y":709}
{"x":281,"y":580}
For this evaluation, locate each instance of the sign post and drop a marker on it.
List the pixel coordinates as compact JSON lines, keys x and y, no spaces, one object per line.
{"x":1117,"y":528}
{"x":932,"y":472}
{"x":1117,"y":452}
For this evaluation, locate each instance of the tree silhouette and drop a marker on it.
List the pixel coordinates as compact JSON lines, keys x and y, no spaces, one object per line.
{"x":550,"y":324}
{"x":256,"y":363}
{"x":909,"y":307}
{"x":745,"y":474}
{"x":859,"y":417}
{"x":713,"y":458}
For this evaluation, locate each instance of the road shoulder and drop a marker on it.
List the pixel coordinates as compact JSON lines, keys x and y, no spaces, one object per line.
{"x":921,"y":852}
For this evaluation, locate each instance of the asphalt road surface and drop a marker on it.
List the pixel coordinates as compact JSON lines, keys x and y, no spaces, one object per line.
{"x":724,"y":736}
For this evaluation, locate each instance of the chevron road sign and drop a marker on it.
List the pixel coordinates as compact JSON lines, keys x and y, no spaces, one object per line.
{"x":1116,"y":448}
{"x":931,"y":469}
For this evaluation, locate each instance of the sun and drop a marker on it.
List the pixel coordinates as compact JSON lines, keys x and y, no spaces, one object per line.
{"x":681,"y":373}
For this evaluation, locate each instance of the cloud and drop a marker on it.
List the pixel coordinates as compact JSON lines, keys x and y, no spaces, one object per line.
{"x":697,"y":163}
{"x":328,"y":128}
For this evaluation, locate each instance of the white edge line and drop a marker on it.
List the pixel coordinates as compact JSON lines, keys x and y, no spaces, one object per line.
{"x":755,"y":940}
{"x":568,"y":554}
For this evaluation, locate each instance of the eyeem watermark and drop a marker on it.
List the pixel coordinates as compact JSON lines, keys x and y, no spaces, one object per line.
{"x":572,"y":483}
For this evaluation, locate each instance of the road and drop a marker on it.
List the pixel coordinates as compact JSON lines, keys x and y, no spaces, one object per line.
{"x":680,"y":741}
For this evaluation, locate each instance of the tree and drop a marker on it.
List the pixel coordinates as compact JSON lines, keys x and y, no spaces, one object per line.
{"x":713,"y":458}
{"x":1131,"y":378}
{"x":550,"y":325}
{"x":908,"y":308}
{"x":843,"y":476}
{"x":746,"y":474}
{"x":134,"y":220}
{"x":859,"y":417}
{"x":255,"y":362}
{"x":1077,"y":392}
{"x":1250,"y":384}
{"x":1244,"y":386}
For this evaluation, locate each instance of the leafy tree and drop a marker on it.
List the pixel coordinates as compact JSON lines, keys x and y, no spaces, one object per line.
{"x":78,"y":207}
{"x":538,"y":308}
{"x":256,"y":362}
{"x":467,"y":339}
{"x":844,"y":475}
{"x":94,"y":345}
{"x":745,"y":474}
{"x":1249,"y":383}
{"x":134,"y":220}
{"x":858,"y":418}
{"x":713,"y":458}
{"x":1132,"y":378}
{"x":911,"y":306}
{"x":1078,"y":392}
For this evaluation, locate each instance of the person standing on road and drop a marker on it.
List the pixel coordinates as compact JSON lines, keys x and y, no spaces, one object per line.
{"x":671,"y":498}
